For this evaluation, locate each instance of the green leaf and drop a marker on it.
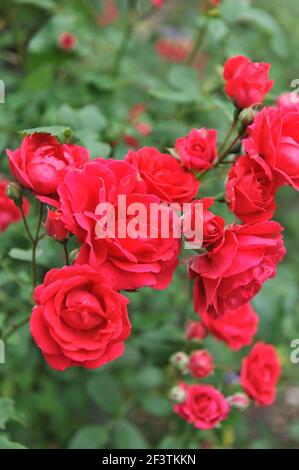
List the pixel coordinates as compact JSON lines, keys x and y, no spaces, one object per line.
{"x":7,"y":411}
{"x":43,"y":4}
{"x":5,"y":443}
{"x":149,"y":377}
{"x":128,"y":436}
{"x":270,"y":26}
{"x":231,"y":10}
{"x":105,"y":390}
{"x":183,"y":78}
{"x":20,"y":255}
{"x":92,"y":142}
{"x":89,"y":117}
{"x":156,"y":406}
{"x":90,"y":437}
{"x":61,"y":132}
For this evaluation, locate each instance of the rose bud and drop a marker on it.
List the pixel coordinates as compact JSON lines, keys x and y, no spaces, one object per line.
{"x":201,"y":364}
{"x":195,"y":330}
{"x":246,"y":117}
{"x":239,"y":400}
{"x":180,"y":361}
{"x":177,"y":394}
{"x":14,"y":192}
{"x":55,"y":227}
{"x":67,"y":41}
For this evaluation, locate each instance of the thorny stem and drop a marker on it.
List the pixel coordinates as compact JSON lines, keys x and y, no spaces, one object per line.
{"x":15,"y":326}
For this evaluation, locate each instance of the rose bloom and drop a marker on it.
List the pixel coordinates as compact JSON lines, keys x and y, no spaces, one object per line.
{"x":54,"y":226}
{"x":250,"y":190}
{"x":289,"y":100}
{"x":131,"y":260}
{"x":67,"y":41}
{"x":79,"y":319}
{"x":41,"y":162}
{"x":144,"y":128}
{"x":201,"y":364}
{"x":109,"y":15}
{"x":9,"y":212}
{"x":236,"y":328}
{"x":212,"y":225}
{"x":173,"y":49}
{"x":246,"y":82}
{"x":162,"y":175}
{"x":131,"y":141}
{"x":274,"y":137}
{"x":197,"y":150}
{"x":195,"y":330}
{"x":232,"y":274}
{"x":260,"y":373}
{"x":157,"y":3}
{"x":204,"y":406}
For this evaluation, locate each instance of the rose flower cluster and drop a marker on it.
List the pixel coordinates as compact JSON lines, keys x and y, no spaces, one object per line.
{"x":80,"y":318}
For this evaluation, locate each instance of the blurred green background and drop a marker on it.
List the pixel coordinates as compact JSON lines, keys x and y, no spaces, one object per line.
{"x":92,"y":88}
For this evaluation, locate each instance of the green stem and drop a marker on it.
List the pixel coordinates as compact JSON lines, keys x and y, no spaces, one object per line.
{"x":66,"y":253}
{"x":229,"y":148}
{"x":26,"y":224}
{"x":129,"y":27}
{"x":196,"y":46}
{"x":229,"y":133}
{"x":15,"y":326}
{"x":35,"y":241}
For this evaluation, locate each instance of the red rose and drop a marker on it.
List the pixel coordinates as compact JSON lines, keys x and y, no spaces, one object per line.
{"x":195,"y":330}
{"x":204,"y":406}
{"x":79,"y":319}
{"x":132,"y":262}
{"x":55,"y":227}
{"x":174,"y":49}
{"x":157,"y":3}
{"x":246,"y":82}
{"x":260,"y":373}
{"x":41,"y":162}
{"x":274,"y":137}
{"x":236,"y":328}
{"x":162,"y":175}
{"x":250,"y":190}
{"x":144,"y":128}
{"x":197,"y":150}
{"x":233,"y":274}
{"x":212,"y":225}
{"x":9,"y":212}
{"x":67,"y":41}
{"x":201,"y":364}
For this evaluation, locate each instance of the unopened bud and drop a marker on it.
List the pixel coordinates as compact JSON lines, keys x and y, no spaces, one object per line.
{"x":239,"y":400}
{"x":177,"y":394}
{"x":246,"y":117}
{"x":180,"y":361}
{"x":14,"y":192}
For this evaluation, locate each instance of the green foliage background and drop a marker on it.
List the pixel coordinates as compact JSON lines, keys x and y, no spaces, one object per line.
{"x":92,"y":89}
